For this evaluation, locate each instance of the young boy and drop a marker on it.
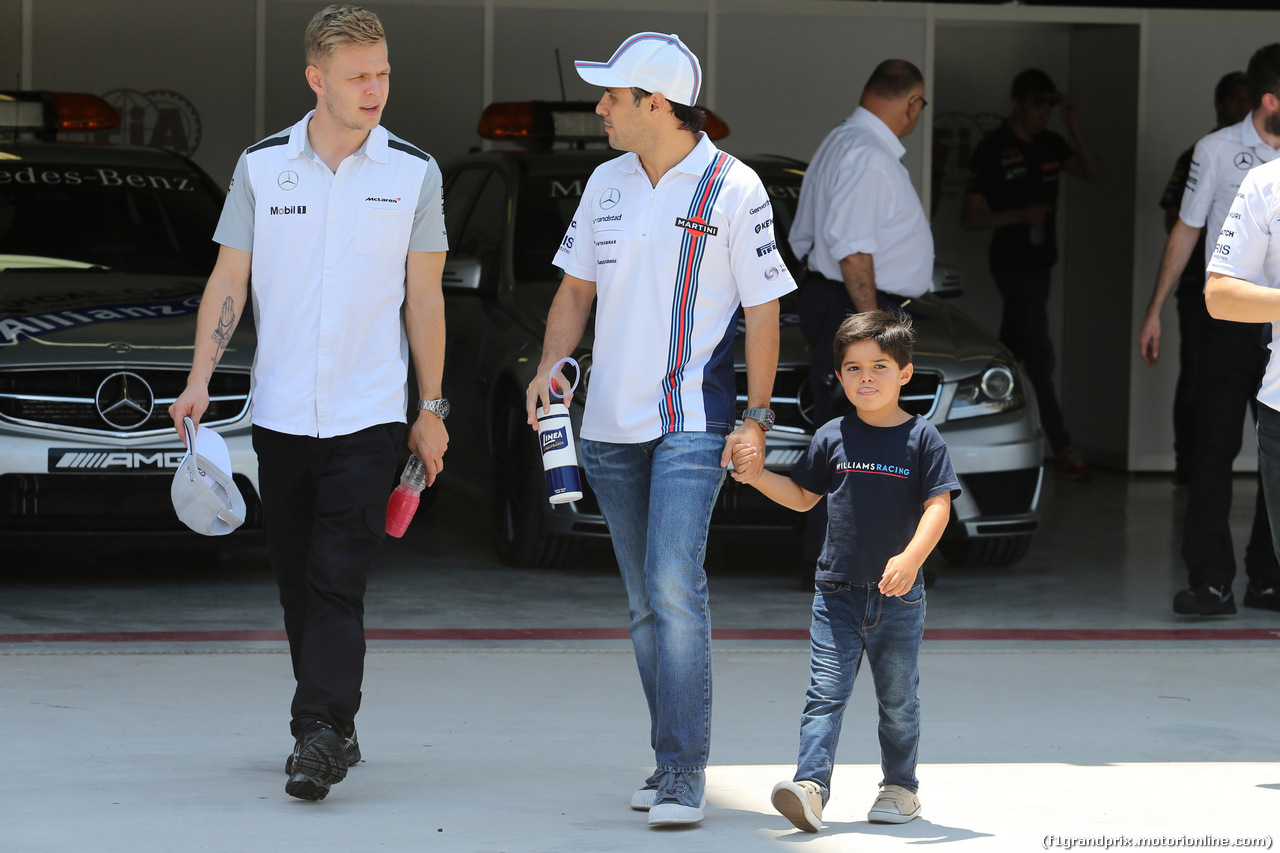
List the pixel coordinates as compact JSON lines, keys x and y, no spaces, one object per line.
{"x":889,"y":483}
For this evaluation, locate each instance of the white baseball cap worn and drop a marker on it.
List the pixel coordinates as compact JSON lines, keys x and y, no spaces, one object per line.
{"x":204,"y":495}
{"x":650,"y":61}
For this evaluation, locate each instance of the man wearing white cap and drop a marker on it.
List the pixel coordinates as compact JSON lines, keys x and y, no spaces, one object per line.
{"x":672,"y":239}
{"x":341,"y":225}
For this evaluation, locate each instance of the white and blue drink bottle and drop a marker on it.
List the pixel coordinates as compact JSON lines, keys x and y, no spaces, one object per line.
{"x":555,"y":437}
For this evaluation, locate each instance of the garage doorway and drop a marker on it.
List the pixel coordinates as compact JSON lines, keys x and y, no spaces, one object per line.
{"x":1090,"y":304}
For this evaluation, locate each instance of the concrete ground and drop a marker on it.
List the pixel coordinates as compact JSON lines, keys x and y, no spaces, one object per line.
{"x":143,"y":699}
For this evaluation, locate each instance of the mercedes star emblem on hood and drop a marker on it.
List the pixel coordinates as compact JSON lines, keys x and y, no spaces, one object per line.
{"x":125,"y":400}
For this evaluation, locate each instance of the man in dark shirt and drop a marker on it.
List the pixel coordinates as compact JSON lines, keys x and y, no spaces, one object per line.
{"x":1231,"y":102}
{"x":1013,"y":190}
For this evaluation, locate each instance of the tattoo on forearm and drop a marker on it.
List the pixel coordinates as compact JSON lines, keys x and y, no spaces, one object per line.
{"x":222,"y":334}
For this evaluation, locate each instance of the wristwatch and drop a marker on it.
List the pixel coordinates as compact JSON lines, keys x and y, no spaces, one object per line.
{"x":439,"y":408}
{"x":764,"y":417}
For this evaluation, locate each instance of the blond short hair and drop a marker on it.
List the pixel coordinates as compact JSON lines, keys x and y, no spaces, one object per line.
{"x":340,"y":26}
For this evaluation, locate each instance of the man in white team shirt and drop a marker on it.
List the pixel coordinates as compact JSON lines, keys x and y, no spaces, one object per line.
{"x":1231,"y":359}
{"x":1244,"y":287}
{"x":669,"y":240}
{"x":341,"y":224}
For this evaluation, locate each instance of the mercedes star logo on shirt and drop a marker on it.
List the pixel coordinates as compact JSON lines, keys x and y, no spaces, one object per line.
{"x":609,"y":198}
{"x":288,"y":180}
{"x":1244,"y":160}
{"x":124,"y":400}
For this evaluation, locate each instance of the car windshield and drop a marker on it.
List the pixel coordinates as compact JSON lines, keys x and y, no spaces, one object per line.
{"x":548,"y":202}
{"x":140,"y":220}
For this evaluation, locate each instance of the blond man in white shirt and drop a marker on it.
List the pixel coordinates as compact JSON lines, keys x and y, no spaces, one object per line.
{"x":340,"y":224}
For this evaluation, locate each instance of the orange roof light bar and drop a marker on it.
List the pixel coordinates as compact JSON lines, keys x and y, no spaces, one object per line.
{"x":44,"y":114}
{"x":80,"y":113}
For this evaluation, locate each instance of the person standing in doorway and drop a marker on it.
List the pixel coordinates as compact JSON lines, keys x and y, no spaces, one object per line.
{"x":1013,"y":191}
{"x":341,"y":225}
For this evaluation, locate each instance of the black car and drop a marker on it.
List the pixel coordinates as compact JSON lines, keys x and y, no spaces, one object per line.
{"x":506,"y":212}
{"x":104,"y":253}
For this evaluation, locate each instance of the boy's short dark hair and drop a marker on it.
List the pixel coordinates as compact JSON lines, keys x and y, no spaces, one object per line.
{"x":891,"y":332}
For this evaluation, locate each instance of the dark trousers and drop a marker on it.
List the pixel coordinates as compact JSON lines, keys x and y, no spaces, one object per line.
{"x":1024,"y":329}
{"x":1231,"y":364}
{"x":1269,"y":471}
{"x":324,"y":507}
{"x":824,"y":305}
{"x":1192,"y":317}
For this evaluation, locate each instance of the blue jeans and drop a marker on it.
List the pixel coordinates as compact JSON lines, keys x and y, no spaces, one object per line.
{"x":849,"y":619}
{"x":657,"y":499}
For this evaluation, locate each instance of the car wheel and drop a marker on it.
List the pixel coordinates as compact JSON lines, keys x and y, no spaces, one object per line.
{"x":990,"y":551}
{"x":521,"y":537}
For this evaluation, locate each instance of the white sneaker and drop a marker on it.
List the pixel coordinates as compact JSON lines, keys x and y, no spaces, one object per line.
{"x":894,"y":804}
{"x":642,"y":800}
{"x":800,"y":803}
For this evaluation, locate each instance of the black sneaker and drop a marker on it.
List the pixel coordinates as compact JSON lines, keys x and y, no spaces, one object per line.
{"x":1264,"y":599}
{"x":352,"y":751}
{"x":1205,"y":601}
{"x":319,"y":761}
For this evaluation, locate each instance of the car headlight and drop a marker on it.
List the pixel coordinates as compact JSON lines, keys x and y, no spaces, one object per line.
{"x":995,"y":390}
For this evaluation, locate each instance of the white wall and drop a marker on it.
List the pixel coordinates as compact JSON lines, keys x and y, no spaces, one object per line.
{"x":786,"y":80}
{"x":152,"y":52}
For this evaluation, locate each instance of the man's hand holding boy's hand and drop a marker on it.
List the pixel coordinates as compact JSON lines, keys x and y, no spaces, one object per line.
{"x":744,"y":455}
{"x":899,"y":576}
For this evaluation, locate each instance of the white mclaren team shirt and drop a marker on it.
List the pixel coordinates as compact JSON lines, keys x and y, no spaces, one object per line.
{"x":672,"y":264}
{"x":1218,"y":165}
{"x":857,"y":198}
{"x":328,"y":279}
{"x":1248,"y":247}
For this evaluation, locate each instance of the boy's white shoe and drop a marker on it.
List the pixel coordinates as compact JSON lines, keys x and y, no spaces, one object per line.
{"x":894,"y":804}
{"x":800,"y":803}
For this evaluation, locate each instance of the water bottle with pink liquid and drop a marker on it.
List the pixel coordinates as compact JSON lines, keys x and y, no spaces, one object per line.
{"x":405,"y":497}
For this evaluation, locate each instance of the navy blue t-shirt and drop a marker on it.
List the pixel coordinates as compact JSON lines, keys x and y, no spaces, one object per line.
{"x":876,"y":480}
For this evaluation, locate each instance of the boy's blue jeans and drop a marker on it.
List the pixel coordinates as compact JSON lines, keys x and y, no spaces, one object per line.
{"x":849,"y":619}
{"x":657,"y":499}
